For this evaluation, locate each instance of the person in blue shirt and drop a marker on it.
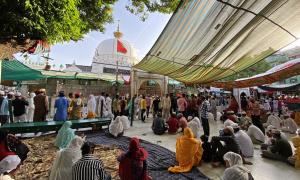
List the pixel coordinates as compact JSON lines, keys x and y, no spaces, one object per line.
{"x":61,"y":105}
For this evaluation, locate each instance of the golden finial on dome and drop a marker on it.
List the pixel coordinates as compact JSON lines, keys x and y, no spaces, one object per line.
{"x":117,"y":33}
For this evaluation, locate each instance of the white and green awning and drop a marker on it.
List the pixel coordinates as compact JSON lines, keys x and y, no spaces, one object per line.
{"x":208,"y":40}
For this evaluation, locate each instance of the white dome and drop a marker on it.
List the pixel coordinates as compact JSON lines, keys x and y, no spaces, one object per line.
{"x":106,"y":53}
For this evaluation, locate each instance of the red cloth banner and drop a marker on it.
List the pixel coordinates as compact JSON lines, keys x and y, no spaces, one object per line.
{"x":121,"y":48}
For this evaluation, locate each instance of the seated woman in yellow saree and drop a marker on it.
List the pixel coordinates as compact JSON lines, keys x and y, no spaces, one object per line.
{"x":188,"y":152}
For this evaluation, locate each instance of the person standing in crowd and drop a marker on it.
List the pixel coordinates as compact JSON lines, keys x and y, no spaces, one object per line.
{"x":31,"y":107}
{"x":255,"y":115}
{"x":123,"y":103}
{"x":213,"y":107}
{"x":61,"y":104}
{"x":173,"y":124}
{"x":280,"y":149}
{"x":115,"y":105}
{"x":244,"y":102}
{"x":41,"y":106}
{"x":155,"y":106}
{"x":233,"y":106}
{"x":267,"y":106}
{"x":70,"y":99}
{"x":166,"y":106}
{"x":108,"y":101}
{"x":76,"y":105}
{"x":136,"y":106}
{"x":133,"y":163}
{"x":91,"y":106}
{"x":19,"y":107}
{"x":173,"y":103}
{"x":101,"y":104}
{"x":204,"y":115}
{"x":89,"y":167}
{"x":194,"y":106}
{"x":148,"y":104}
{"x":143,"y":106}
{"x":4,"y":109}
{"x":65,"y":159}
{"x":182,"y":105}
{"x":158,"y":125}
{"x":275,"y":105}
{"x":188,"y":152}
{"x":10,"y":97}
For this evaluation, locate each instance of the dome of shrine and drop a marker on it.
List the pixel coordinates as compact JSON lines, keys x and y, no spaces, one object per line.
{"x":107,"y":52}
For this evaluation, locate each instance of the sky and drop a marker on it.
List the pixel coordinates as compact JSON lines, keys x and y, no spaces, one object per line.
{"x":141,"y":34}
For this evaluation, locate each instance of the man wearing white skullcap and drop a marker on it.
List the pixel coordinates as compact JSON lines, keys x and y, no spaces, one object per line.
{"x":8,"y":165}
{"x":10,"y":97}
{"x":4,"y":111}
{"x":19,"y":106}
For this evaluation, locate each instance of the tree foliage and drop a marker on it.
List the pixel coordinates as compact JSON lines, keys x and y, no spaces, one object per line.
{"x":65,"y":20}
{"x":257,"y":68}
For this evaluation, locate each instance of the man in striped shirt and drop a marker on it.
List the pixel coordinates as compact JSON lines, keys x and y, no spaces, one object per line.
{"x":204,"y":115}
{"x":88,"y":167}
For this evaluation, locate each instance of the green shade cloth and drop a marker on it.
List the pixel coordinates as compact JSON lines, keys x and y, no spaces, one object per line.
{"x":16,"y":71}
{"x":207,"y":40}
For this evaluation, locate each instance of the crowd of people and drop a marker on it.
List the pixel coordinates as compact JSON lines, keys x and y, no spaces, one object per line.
{"x":259,"y":123}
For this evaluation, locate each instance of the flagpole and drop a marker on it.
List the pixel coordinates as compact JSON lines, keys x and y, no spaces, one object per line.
{"x":117,"y":76}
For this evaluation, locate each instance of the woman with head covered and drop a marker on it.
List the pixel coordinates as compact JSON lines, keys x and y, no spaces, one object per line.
{"x":133,"y":164}
{"x":235,"y":169}
{"x":65,"y":159}
{"x":188,"y":152}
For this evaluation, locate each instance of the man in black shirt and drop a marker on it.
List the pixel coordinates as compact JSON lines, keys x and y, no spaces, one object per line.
{"x":10,"y":97}
{"x":230,"y":144}
{"x":173,"y":103}
{"x":19,"y":106}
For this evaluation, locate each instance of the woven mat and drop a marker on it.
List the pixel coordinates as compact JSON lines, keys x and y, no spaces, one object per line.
{"x":159,"y":160}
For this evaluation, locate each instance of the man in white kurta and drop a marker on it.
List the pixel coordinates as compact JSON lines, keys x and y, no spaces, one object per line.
{"x":289,"y":125}
{"x":244,"y":141}
{"x":108,"y":101}
{"x":256,"y":135}
{"x":166,"y":106}
{"x":273,"y":120}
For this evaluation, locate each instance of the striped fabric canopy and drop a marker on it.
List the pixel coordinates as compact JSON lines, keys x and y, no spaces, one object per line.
{"x":208,"y":40}
{"x":277,"y":73}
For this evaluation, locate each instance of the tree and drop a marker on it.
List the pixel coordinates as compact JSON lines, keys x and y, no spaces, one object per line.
{"x":24,"y":21}
{"x":257,"y":68}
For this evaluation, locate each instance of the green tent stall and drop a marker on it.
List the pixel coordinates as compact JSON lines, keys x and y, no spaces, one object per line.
{"x":13,"y":70}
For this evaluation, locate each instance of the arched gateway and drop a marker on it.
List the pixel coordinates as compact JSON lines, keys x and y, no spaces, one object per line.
{"x":138,"y":78}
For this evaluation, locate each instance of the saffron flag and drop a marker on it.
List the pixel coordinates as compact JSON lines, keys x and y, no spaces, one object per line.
{"x":121,"y":48}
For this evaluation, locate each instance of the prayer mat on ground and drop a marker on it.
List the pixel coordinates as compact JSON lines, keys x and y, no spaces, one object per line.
{"x":159,"y":160}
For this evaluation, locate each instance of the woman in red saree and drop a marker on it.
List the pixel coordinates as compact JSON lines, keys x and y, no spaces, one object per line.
{"x":133,"y":164}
